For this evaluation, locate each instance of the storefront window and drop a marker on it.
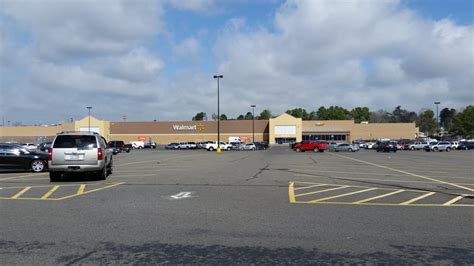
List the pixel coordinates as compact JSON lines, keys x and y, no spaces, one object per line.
{"x":325,"y":137}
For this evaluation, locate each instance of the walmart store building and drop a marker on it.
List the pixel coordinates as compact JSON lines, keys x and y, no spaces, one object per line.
{"x":279,"y":130}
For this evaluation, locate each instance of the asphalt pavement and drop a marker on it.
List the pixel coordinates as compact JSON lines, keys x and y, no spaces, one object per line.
{"x":263,"y":207}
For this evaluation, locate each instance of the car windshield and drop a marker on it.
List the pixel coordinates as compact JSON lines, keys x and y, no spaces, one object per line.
{"x":75,"y":141}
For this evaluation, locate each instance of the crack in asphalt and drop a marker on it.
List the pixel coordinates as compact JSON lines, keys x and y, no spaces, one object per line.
{"x":259,"y":172}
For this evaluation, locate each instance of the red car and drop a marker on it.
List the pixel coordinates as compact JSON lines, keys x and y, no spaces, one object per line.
{"x":309,"y":145}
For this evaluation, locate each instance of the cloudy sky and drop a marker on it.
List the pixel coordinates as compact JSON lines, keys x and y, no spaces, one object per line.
{"x":149,"y":59}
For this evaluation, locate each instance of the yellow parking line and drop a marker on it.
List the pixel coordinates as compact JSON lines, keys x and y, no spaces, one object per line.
{"x":291,"y":192}
{"x":453,"y":201}
{"x":343,"y":195}
{"x":81,"y":189}
{"x":90,"y":191}
{"x":17,"y":195}
{"x":385,"y":204}
{"x":418,"y":198}
{"x":321,"y":191}
{"x":384,"y":180}
{"x":379,"y":197}
{"x":407,"y":173}
{"x":23,"y":176}
{"x":50,"y":192}
{"x":319,"y":185}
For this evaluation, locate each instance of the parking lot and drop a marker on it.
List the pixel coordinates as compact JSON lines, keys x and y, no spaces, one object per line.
{"x":273,"y":206}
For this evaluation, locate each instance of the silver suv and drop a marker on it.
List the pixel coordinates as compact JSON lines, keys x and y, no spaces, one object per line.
{"x":78,"y":152}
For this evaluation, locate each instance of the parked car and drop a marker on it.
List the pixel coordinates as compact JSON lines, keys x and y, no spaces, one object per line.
{"x":466,"y":145}
{"x":150,"y":145}
{"x":16,"y":157}
{"x":369,"y":145}
{"x":30,"y":146}
{"x":213,"y":146}
{"x":332,"y":146}
{"x":439,"y":146}
{"x":418,"y":145}
{"x":261,"y":145}
{"x":237,"y":146}
{"x":250,"y":146}
{"x":309,"y":145}
{"x":192,"y":145}
{"x":347,"y":147}
{"x":172,"y":146}
{"x":137,"y":144}
{"x":454,"y":145}
{"x":118,"y":146}
{"x":386,"y":146}
{"x":79,"y":152}
{"x":44,"y":146}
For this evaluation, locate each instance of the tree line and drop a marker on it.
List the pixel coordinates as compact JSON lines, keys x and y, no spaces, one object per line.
{"x":455,"y":122}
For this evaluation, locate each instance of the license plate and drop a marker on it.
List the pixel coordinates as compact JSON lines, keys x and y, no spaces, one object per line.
{"x":74,"y":157}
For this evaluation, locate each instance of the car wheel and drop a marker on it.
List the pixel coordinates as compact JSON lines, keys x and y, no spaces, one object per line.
{"x":110,"y":170}
{"x":211,"y":149}
{"x":435,"y":149}
{"x":37,"y":166}
{"x":315,"y":150}
{"x":102,"y":174}
{"x":54,"y":177}
{"x":350,"y":150}
{"x":228,"y":149}
{"x":298,"y":150}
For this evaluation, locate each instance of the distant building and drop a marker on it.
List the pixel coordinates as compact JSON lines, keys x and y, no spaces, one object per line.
{"x":279,"y":130}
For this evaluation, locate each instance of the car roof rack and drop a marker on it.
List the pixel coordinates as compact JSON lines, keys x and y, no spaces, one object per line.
{"x":75,"y":131}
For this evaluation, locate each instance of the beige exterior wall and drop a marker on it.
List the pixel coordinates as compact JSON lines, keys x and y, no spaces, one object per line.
{"x":32,"y":133}
{"x":201,"y":137}
{"x":163,"y":133}
{"x":104,"y":126}
{"x":385,"y":131}
{"x":284,"y":120}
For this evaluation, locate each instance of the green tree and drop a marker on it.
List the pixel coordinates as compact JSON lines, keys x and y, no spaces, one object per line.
{"x":312,"y":115}
{"x":463,"y":122}
{"x":223,"y":117}
{"x":200,"y":116}
{"x":446,"y":117}
{"x":360,"y":114}
{"x":299,"y":113}
{"x":333,"y":113}
{"x":265,"y":115}
{"x":248,"y":116}
{"x":427,"y":122}
{"x":240,"y":117}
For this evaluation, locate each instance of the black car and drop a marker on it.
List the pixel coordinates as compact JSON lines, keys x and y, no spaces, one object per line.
{"x":150,"y":145}
{"x":387,"y":146}
{"x":119,"y":146}
{"x":466,"y":145}
{"x":44,"y":146}
{"x":15,"y":157}
{"x":261,"y":145}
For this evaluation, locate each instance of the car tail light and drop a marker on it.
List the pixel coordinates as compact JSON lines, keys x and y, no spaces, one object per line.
{"x":50,"y":154}
{"x":99,"y":154}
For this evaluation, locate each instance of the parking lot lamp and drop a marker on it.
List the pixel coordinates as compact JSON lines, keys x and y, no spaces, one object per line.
{"x":89,"y":109}
{"x":437,"y":117}
{"x":253,"y":122}
{"x":218,"y":115}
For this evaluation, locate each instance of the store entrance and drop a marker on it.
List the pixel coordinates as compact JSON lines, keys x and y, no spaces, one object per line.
{"x":285,"y":140}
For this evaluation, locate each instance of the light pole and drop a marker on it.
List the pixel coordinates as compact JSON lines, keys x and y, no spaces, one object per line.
{"x":437,"y":117}
{"x":253,"y":122}
{"x":218,"y":77}
{"x":89,"y":108}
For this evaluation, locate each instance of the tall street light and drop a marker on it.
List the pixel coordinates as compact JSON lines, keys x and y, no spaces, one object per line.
{"x":218,"y":77}
{"x":253,"y":122}
{"x":89,"y":108}
{"x":437,"y":117}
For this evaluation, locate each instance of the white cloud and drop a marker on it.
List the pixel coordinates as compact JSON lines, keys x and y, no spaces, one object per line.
{"x":318,"y":54}
{"x":80,"y":29}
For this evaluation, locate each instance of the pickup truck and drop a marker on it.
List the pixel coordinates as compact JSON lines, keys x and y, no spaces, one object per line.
{"x":213,"y":146}
{"x":309,"y":145}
